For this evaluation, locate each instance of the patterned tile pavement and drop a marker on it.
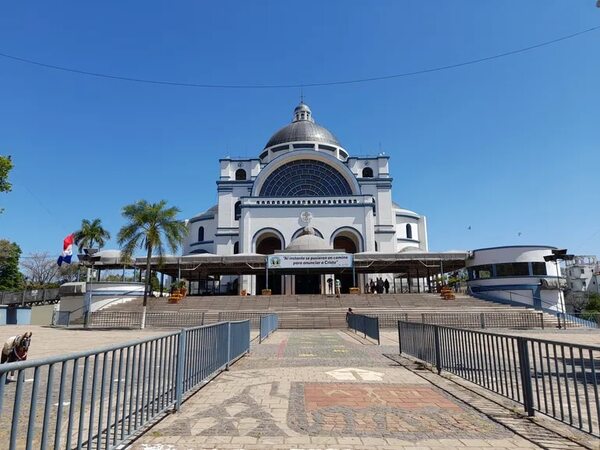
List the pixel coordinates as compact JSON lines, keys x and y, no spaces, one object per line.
{"x":325,"y":389}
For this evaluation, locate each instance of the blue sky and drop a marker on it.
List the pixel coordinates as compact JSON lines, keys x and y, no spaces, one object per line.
{"x":506,"y":147}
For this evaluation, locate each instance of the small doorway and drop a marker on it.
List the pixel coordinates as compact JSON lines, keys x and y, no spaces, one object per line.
{"x":347,"y":281}
{"x":308,"y":284}
{"x":274,"y":284}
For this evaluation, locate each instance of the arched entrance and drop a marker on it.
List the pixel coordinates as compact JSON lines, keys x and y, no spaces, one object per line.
{"x":347,"y":242}
{"x":266,"y":244}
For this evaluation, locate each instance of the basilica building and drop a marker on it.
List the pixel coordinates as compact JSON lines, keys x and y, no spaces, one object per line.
{"x":304,"y":192}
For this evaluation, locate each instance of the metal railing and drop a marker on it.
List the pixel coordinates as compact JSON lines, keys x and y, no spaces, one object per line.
{"x":30,"y":296}
{"x":481,"y":320}
{"x":269,"y":323}
{"x":369,"y":326}
{"x":133,"y":319}
{"x":100,"y":398}
{"x":557,"y":379}
{"x":565,"y":320}
{"x":587,"y":320}
{"x":253,"y":317}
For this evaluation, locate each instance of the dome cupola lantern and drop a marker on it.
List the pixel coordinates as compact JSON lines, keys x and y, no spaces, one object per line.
{"x":302,"y":112}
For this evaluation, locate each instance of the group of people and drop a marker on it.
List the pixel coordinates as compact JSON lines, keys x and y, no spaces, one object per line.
{"x":379,"y":286}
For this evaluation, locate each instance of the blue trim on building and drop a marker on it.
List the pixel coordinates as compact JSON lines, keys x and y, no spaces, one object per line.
{"x":200,"y":219}
{"x":201,"y":243}
{"x":373,"y":180}
{"x":239,"y":159}
{"x":534,"y":288}
{"x":515,"y":246}
{"x":370,"y":158}
{"x":408,"y":240}
{"x":407,"y":216}
{"x":234,"y":182}
{"x":297,"y":205}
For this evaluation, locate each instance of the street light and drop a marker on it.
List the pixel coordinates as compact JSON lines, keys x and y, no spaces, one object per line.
{"x":559,"y":255}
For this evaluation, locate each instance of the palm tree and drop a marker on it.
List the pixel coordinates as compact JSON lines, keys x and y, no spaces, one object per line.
{"x":151,"y":226}
{"x":91,"y":233}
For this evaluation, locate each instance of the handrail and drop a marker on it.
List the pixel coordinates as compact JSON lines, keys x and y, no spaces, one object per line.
{"x":557,"y":379}
{"x":104,"y":397}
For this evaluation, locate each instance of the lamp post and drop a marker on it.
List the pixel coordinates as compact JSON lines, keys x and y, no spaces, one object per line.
{"x":559,"y":255}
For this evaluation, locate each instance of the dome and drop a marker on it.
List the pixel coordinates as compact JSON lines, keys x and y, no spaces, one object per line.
{"x":303,"y":129}
{"x":308,"y":241}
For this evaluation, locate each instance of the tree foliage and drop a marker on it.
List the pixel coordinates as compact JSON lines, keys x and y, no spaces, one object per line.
{"x":5,"y":167}
{"x":593,"y":305}
{"x":11,"y":278}
{"x":152,"y":227}
{"x":91,"y":232}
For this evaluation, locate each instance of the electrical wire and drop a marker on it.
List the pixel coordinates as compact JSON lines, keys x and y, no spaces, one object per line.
{"x":298,"y":85}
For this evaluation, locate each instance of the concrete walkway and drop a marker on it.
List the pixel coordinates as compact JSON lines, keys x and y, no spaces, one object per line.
{"x":327,"y":389}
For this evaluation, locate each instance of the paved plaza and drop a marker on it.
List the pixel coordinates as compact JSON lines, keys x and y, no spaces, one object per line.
{"x":329,"y":389}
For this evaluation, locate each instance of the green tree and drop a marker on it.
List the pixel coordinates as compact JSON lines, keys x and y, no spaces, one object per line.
{"x":592,"y":308}
{"x":5,"y":167}
{"x":11,"y":278}
{"x":90,"y":233}
{"x":151,"y":226}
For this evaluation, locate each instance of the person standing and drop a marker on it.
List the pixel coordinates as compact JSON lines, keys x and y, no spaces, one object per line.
{"x":386,"y":285}
{"x":329,"y":285}
{"x":372,"y":286}
{"x":338,"y":287}
{"x":348,"y":314}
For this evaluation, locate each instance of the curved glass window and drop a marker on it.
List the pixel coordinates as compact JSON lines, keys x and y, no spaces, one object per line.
{"x":408,"y":231}
{"x":236,"y":248}
{"x":200,"y":234}
{"x":305,"y":178}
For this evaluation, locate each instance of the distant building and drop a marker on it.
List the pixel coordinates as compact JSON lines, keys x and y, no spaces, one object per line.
{"x":516,"y":274}
{"x":582,"y":278}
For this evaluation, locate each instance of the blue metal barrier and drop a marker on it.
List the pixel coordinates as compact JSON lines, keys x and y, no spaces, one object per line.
{"x":239,"y":339}
{"x":369,"y":326}
{"x":558,"y":379}
{"x":100,"y":398}
{"x":268,"y":324}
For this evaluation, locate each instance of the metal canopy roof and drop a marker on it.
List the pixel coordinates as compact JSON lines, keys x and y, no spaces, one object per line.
{"x":200,"y":266}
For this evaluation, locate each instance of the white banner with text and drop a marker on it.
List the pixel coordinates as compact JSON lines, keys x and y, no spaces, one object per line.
{"x":309,"y":261}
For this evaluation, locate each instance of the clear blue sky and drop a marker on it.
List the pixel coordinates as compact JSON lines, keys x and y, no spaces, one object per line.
{"x":506,"y":147}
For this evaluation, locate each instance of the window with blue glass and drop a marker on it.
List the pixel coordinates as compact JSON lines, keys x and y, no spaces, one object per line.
{"x":305,"y":178}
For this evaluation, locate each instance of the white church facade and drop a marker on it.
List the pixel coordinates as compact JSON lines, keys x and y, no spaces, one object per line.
{"x":303,"y":176}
